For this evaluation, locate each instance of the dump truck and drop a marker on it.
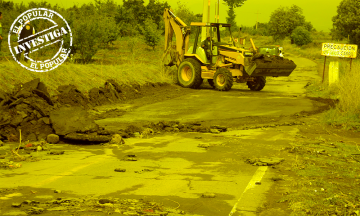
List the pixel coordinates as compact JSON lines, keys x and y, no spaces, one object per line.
{"x":224,"y":64}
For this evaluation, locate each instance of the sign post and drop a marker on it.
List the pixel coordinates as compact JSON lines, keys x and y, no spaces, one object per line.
{"x":324,"y":70}
{"x":338,"y":50}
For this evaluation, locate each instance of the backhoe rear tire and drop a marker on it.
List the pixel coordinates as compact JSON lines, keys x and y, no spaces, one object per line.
{"x":189,"y":74}
{"x":258,"y":83}
{"x":223,"y":79}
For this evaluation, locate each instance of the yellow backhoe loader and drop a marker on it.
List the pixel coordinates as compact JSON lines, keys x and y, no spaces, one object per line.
{"x":223,"y":62}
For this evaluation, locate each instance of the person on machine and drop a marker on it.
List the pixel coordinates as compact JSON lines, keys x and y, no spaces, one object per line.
{"x":206,"y":45}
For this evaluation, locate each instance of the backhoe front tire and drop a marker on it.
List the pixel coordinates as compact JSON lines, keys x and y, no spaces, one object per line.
{"x":189,"y":74}
{"x":223,"y":80}
{"x":258,"y":83}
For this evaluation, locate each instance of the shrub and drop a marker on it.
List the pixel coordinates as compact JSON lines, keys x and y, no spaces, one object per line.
{"x":91,"y":30}
{"x":300,"y":36}
{"x":284,"y":20}
{"x":151,"y":33}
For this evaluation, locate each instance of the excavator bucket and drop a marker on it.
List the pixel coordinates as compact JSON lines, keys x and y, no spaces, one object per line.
{"x":261,"y":65}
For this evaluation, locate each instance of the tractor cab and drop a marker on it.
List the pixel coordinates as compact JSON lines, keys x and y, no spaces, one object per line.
{"x":208,"y":50}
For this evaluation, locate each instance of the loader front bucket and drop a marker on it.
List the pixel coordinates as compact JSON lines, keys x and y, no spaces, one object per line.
{"x":274,"y":66}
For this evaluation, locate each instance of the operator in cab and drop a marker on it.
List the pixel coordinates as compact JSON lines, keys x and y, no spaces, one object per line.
{"x":206,"y":45}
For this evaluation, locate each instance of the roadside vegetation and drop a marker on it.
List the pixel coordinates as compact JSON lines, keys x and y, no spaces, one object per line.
{"x":288,"y":28}
{"x":124,"y":62}
{"x":326,"y":180}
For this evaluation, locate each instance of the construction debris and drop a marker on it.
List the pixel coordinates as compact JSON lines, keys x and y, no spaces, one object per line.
{"x":264,"y":161}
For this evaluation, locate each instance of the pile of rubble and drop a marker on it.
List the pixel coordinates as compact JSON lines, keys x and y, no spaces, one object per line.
{"x":175,"y":126}
{"x":87,"y":205}
{"x":27,"y":109}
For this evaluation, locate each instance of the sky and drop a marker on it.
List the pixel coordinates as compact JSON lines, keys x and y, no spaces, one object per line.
{"x":318,"y":12}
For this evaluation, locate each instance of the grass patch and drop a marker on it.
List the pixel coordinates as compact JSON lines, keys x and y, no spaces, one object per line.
{"x":127,"y":66}
{"x":327,"y":179}
{"x":347,"y":90}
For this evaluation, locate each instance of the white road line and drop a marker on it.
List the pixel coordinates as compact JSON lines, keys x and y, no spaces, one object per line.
{"x":70,"y":172}
{"x":260,"y":172}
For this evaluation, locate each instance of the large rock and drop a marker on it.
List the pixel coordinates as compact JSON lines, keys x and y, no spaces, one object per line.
{"x":52,"y":138}
{"x":3,"y":95}
{"x":68,"y":120}
{"x":69,"y":94}
{"x":31,"y":85}
{"x":31,"y":137}
{"x":117,"y":139}
{"x":88,"y":137}
{"x":16,"y":120}
{"x":44,"y":95}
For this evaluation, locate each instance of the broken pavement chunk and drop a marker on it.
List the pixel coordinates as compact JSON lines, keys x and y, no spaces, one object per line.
{"x":68,"y":120}
{"x":208,"y":195}
{"x":203,"y":145}
{"x":117,"y":139}
{"x":103,"y":201}
{"x":16,"y":205}
{"x":264,"y":161}
{"x":56,"y":152}
{"x":35,"y":210}
{"x":215,"y":131}
{"x":87,"y":137}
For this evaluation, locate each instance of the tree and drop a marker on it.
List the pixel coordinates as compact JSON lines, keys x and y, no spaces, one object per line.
{"x":91,"y":28}
{"x":301,"y":36}
{"x":284,"y":20}
{"x":346,"y":22}
{"x":125,"y":19}
{"x":131,"y":15}
{"x":151,"y":33}
{"x":231,"y":19}
{"x":138,"y":8}
{"x":155,"y":9}
{"x":185,"y":14}
{"x":234,"y":3}
{"x":308,"y":26}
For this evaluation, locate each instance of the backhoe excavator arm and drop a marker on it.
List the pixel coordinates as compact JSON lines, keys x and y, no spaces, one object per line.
{"x":173,"y":24}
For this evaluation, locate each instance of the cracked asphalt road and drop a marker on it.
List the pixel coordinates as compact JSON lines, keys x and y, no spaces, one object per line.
{"x":170,"y":167}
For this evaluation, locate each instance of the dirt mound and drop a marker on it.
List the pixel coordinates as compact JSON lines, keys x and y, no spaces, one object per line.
{"x":69,"y":94}
{"x":269,"y":65}
{"x":30,"y":107}
{"x":271,"y":59}
{"x":110,"y":93}
{"x":113,"y":92}
{"x":27,"y":109}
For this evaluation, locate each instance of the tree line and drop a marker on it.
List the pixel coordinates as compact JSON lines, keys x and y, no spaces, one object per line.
{"x":102,"y":22}
{"x":99,"y":23}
